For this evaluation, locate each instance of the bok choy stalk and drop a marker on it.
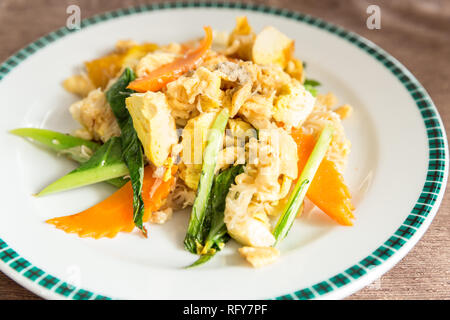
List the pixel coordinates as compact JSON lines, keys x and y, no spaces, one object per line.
{"x":295,"y":201}
{"x":195,"y":233}
{"x":77,"y":149}
{"x":215,"y":229}
{"x":132,"y":152}
{"x":106,"y":163}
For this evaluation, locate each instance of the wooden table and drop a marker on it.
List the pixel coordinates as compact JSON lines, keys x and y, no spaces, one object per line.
{"x":415,"y":32}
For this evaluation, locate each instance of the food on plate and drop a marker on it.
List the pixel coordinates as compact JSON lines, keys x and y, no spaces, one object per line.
{"x":228,"y":124}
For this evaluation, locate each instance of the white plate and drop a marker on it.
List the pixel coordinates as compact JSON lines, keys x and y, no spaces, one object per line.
{"x":397,"y":171}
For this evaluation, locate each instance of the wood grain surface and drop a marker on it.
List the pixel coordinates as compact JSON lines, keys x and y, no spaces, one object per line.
{"x":416,"y":32}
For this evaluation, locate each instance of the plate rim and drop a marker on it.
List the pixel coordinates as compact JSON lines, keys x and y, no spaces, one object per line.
{"x":340,"y":285}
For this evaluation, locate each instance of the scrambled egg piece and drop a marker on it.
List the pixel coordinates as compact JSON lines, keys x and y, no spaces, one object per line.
{"x":124,"y":44}
{"x":344,"y":111}
{"x":160,"y":216}
{"x":271,"y":79}
{"x":96,"y":116}
{"x":272,"y":47}
{"x":79,"y":84}
{"x":154,"y":125}
{"x":240,"y":95}
{"x":209,"y":92}
{"x":259,"y":256}
{"x":326,"y":101}
{"x":199,"y":90}
{"x":136,"y":53}
{"x":240,"y":41}
{"x":240,"y":130}
{"x":294,"y":68}
{"x":228,"y":156}
{"x":273,"y":156}
{"x":242,"y":225}
{"x":287,"y":152}
{"x":153,"y":61}
{"x":258,"y":110}
{"x":220,"y":40}
{"x":236,"y":135}
{"x":238,"y":84}
{"x":270,"y":170}
{"x":194,"y":138}
{"x":293,"y":105}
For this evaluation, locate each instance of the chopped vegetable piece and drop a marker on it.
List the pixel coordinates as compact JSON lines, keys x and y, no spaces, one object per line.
{"x":197,"y":127}
{"x":304,"y":181}
{"x":59,"y":142}
{"x":74,"y":148}
{"x":158,"y":78}
{"x":221,"y":186}
{"x":311,"y":85}
{"x":195,"y":236}
{"x":311,"y":82}
{"x":215,"y":229}
{"x":132,"y":152}
{"x":118,"y":182}
{"x":328,"y":190}
{"x":203,"y":259}
{"x":105,"y":164}
{"x":115,"y":214}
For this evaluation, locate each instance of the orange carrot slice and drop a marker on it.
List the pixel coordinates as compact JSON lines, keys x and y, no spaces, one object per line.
{"x":158,"y":78}
{"x":115,"y":214}
{"x":327,"y":190}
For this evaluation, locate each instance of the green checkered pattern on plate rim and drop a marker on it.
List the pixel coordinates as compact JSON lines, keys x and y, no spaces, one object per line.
{"x":436,"y":138}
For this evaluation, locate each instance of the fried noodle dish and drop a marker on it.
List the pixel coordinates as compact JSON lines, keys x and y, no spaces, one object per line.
{"x":228,"y":126}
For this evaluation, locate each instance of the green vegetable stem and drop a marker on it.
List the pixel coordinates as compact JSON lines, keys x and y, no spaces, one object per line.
{"x":215,"y":229}
{"x":295,"y":201}
{"x":77,"y":149}
{"x":195,"y":233}
{"x":105,"y":164}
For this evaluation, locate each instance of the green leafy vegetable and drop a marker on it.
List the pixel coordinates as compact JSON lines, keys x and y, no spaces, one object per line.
{"x":311,"y":82}
{"x":215,"y":215}
{"x":132,"y":153}
{"x":105,"y":164}
{"x":75,"y":148}
{"x":118,"y":182}
{"x":311,"y":85}
{"x":295,"y":201}
{"x":195,"y":234}
{"x":203,"y":259}
{"x":215,"y":229}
